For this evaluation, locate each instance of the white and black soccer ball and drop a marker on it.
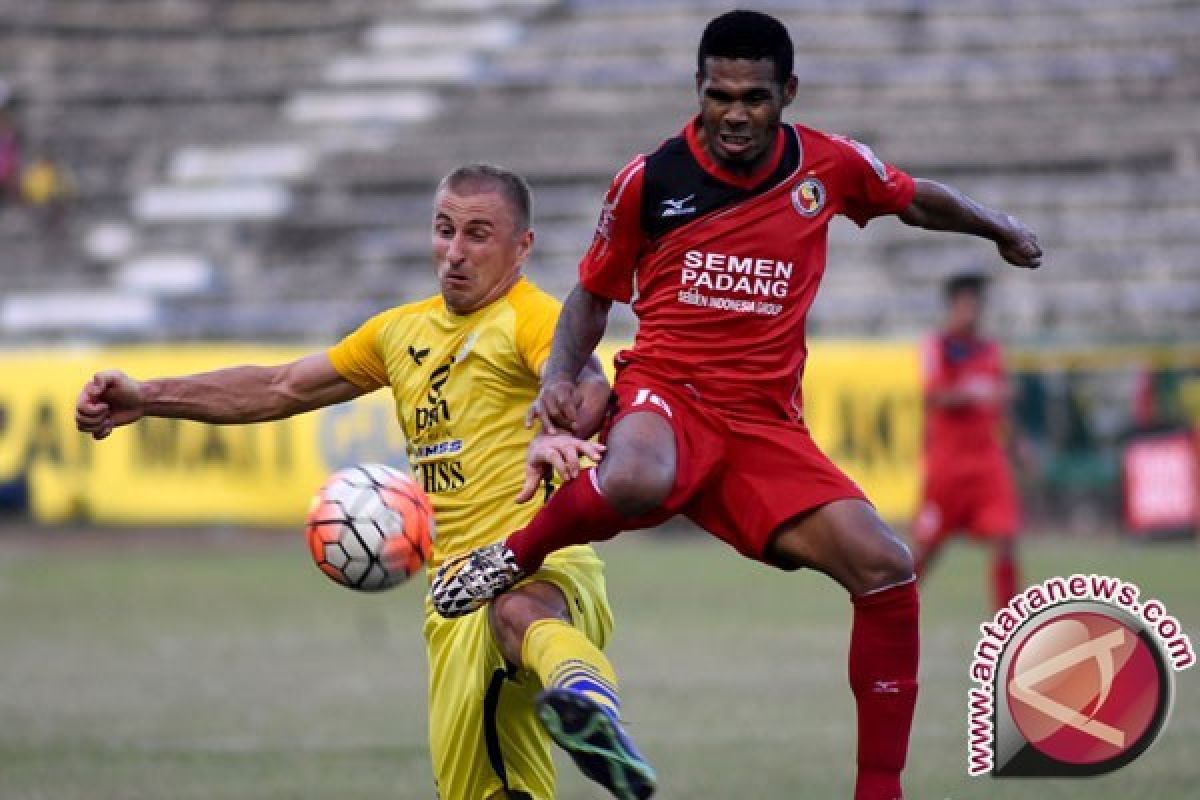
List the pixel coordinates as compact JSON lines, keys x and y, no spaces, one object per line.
{"x":370,"y":527}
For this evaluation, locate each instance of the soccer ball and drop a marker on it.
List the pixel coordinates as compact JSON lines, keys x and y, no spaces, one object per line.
{"x":370,"y":527}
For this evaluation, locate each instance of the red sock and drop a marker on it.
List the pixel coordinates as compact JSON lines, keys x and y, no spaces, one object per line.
{"x":1004,"y":580}
{"x":575,"y":514}
{"x":884,"y":645}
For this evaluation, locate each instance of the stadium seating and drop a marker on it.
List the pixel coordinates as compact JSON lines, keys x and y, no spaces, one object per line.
{"x":284,"y":151}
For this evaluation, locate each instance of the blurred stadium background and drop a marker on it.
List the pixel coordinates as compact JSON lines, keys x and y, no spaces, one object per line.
{"x":189,"y":182}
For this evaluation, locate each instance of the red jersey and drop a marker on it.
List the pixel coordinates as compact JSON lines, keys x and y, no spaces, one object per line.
{"x":963,"y":438}
{"x":721,"y":269}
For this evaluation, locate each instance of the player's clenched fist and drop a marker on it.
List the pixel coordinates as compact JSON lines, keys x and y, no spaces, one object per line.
{"x":1019,"y":246}
{"x":110,"y":399}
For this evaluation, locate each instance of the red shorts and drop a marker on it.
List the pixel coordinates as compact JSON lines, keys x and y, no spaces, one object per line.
{"x":738,"y":476}
{"x":982,"y":504}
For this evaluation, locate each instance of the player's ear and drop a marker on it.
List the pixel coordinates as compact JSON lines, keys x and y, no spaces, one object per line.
{"x":524,"y":245}
{"x":700,"y":84}
{"x":789,"y":90}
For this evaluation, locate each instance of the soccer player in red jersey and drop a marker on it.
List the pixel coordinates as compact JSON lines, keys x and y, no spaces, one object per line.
{"x":718,"y":240}
{"x":968,"y":484}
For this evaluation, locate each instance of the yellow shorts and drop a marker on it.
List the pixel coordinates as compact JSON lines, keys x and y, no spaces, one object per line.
{"x":484,"y":738}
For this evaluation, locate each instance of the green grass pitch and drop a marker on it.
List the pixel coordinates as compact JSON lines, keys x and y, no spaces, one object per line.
{"x":225,"y":666}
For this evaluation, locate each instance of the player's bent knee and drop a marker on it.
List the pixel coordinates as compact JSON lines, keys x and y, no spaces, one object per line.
{"x":638,"y":470}
{"x":637,"y":485}
{"x":512,"y":613}
{"x":889,"y":564}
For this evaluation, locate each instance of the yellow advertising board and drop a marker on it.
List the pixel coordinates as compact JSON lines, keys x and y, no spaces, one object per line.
{"x":863,"y":404}
{"x":861,"y":401}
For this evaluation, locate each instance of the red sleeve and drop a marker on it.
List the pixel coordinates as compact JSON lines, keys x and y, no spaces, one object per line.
{"x":608,"y":266}
{"x":873,"y":188}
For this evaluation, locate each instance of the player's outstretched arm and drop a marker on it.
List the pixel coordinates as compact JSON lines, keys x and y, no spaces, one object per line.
{"x":225,"y":396}
{"x":939,"y":207}
{"x":581,"y":324}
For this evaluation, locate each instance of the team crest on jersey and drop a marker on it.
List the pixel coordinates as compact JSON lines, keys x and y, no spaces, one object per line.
{"x":808,"y":198}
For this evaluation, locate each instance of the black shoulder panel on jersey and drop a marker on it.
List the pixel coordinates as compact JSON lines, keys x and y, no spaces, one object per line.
{"x":677,"y":190}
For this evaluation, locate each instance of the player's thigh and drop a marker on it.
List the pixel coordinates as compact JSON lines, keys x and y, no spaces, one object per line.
{"x":663,"y":445}
{"x":483,"y":735}
{"x":639,"y":465}
{"x":771,"y":474}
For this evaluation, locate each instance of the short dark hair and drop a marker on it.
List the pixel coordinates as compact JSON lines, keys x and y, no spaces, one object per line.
{"x":489,"y":177}
{"x":751,"y":35}
{"x":964,"y":282}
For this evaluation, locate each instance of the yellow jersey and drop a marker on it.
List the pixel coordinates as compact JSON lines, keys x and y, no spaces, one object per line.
{"x":462,"y":385}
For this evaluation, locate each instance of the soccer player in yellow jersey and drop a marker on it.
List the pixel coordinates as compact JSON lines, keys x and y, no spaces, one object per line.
{"x":463,"y":367}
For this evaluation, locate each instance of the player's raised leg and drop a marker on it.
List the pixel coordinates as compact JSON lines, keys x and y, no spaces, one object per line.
{"x":636,"y":476}
{"x":579,"y":705}
{"x":846,"y":540}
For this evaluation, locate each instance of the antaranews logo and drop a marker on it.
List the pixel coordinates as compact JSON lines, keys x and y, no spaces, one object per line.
{"x":1074,"y":677}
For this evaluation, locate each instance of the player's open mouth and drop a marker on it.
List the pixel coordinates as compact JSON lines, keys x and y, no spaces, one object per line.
{"x":456,"y":281}
{"x":734,"y":143}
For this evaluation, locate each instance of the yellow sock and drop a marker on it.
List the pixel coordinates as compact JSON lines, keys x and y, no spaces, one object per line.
{"x":566,"y":659}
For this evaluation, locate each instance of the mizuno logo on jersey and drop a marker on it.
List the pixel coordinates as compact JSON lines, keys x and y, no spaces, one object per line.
{"x":677,"y":208}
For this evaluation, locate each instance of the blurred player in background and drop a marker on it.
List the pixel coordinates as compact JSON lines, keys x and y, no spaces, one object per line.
{"x":463,"y":367}
{"x":10,"y":156}
{"x":968,"y":483}
{"x":720,"y":235}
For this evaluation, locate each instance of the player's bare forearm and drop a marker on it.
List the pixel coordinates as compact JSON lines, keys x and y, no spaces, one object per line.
{"x":247,"y":394}
{"x":593,"y":371}
{"x":225,"y":396}
{"x":565,"y":400}
{"x":939,"y":207}
{"x":233,"y":395}
{"x":581,"y":324}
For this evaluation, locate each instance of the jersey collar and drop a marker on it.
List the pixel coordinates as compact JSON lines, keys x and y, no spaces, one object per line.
{"x":706,"y":162}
